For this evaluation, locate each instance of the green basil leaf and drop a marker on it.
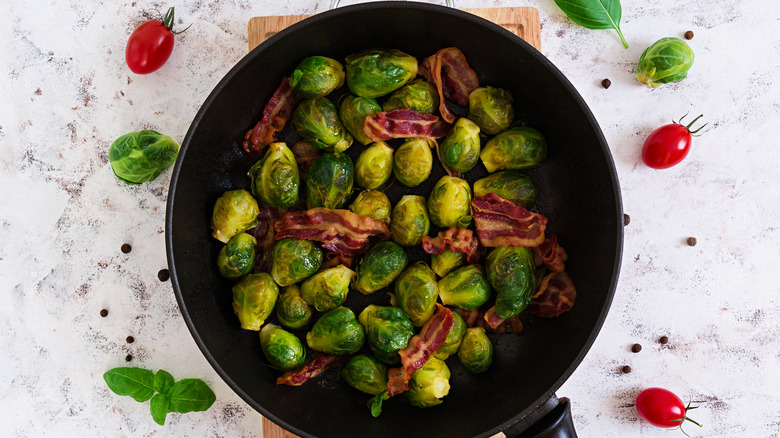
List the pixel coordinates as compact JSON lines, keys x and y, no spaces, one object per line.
{"x":190,"y":395}
{"x":159,"y":407}
{"x":135,"y":382}
{"x":163,"y":381}
{"x":594,"y":14}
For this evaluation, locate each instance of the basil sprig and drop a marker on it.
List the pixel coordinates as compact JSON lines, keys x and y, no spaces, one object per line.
{"x":594,"y":14}
{"x":187,"y":395}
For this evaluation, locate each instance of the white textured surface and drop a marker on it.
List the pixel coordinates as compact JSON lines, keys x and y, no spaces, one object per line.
{"x":66,"y":94}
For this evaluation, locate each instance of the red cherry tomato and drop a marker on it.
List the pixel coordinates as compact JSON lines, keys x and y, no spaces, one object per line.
{"x":151,"y":44}
{"x":668,"y":145}
{"x":661,"y":408}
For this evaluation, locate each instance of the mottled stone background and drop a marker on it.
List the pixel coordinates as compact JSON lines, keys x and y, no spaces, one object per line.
{"x":66,"y":94}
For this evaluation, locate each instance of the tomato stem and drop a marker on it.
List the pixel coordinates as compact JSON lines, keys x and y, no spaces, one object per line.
{"x":167,"y":21}
{"x":688,"y":127}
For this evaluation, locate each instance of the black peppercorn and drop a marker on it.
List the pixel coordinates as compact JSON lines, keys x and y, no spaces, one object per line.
{"x":689,"y":35}
{"x":104,"y":313}
{"x":126,"y":248}
{"x":606,"y":83}
{"x":636,"y":348}
{"x":163,"y":275}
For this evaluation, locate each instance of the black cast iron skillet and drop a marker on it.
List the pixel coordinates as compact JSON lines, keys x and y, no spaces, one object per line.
{"x":578,"y":192}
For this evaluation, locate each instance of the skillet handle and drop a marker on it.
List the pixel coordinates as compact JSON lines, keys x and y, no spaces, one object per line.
{"x":557,"y":423}
{"x":335,"y":4}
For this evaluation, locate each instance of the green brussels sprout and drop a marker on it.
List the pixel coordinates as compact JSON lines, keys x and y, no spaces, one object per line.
{"x":466,"y":288}
{"x":330,"y":179}
{"x":336,"y":332}
{"x":366,"y":374}
{"x":520,"y":147}
{"x":327,"y":289}
{"x":416,"y":292}
{"x":317,"y":76}
{"x":410,"y":222}
{"x":454,"y":337}
{"x":512,"y":185}
{"x":353,"y":111}
{"x":282,"y":348}
{"x":417,"y":95}
{"x":254,"y":299}
{"x":491,"y":109}
{"x":379,"y":267}
{"x":237,"y":258}
{"x":292,"y":310}
{"x":413,"y":161}
{"x":459,"y":151}
{"x":374,"y":204}
{"x":275,"y":177}
{"x":377,"y":72}
{"x":510,"y":271}
{"x":317,"y":121}
{"x":476,"y":351}
{"x":667,"y":60}
{"x":142,"y":156}
{"x":446,"y":262}
{"x":295,"y":259}
{"x":234,"y":212}
{"x":388,"y":330}
{"x":374,"y":165}
{"x":429,"y":384}
{"x":449,"y":203}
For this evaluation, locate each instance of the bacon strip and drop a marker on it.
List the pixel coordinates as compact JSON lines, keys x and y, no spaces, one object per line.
{"x":305,"y":154}
{"x":472,"y":318}
{"x":403,"y":123}
{"x":502,"y":223}
{"x":277,"y":112}
{"x":554,"y":296}
{"x":498,"y":324}
{"x":312,"y":369}
{"x":452,"y":76}
{"x":552,"y":254}
{"x":265,"y":235}
{"x":339,"y":230}
{"x":332,"y":259}
{"x":459,"y":240}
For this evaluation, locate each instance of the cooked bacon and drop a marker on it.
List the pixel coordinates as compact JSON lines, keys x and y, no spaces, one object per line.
{"x":277,"y":112}
{"x":459,"y":240}
{"x":493,"y":320}
{"x":502,"y":223}
{"x":552,"y":254}
{"x":472,"y":318}
{"x":265,"y":235}
{"x":554,"y":296}
{"x":403,"y":123}
{"x":311,"y":369}
{"x":305,"y":153}
{"x":339,"y":230}
{"x":332,"y":259}
{"x":498,"y":324}
{"x":452,"y":76}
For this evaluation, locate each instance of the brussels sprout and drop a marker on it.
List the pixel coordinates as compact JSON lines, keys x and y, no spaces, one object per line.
{"x":429,"y":384}
{"x":295,"y":259}
{"x":466,"y":288}
{"x":327,"y":289}
{"x":329,"y":183}
{"x":454,"y":337}
{"x":476,"y":351}
{"x":459,"y":151}
{"x":142,"y":156}
{"x":510,"y":271}
{"x":511,"y":185}
{"x":254,"y":299}
{"x":416,"y":292}
{"x":520,"y":147}
{"x":275,"y":177}
{"x":353,"y":111}
{"x":379,"y":267}
{"x":446,"y":262}
{"x":374,"y":165}
{"x":449,"y":203}
{"x":376,"y":72}
{"x":282,"y":348}
{"x":336,"y":332}
{"x":388,"y":330}
{"x":366,"y":374}
{"x":317,"y":76}
{"x":491,"y":109}
{"x":417,"y":95}
{"x":292,"y":310}
{"x":413,"y":161}
{"x":317,"y":120}
{"x":237,"y":258}
{"x":234,"y":212}
{"x":409,"y":222}
{"x":667,"y":60}
{"x":374,"y":204}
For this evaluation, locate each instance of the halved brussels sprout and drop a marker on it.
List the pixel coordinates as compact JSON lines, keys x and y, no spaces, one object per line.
{"x":413,"y":161}
{"x":237,"y":258}
{"x":388,"y":330}
{"x":510,"y":271}
{"x":410,"y":222}
{"x":377,"y":72}
{"x":459,"y":151}
{"x":292,"y":310}
{"x":374,"y":204}
{"x":454,"y":337}
{"x":317,"y":120}
{"x":417,"y":95}
{"x":282,"y":349}
{"x":520,"y":147}
{"x":329,"y":183}
{"x":429,"y":384}
{"x":374,"y":166}
{"x":336,"y":332}
{"x":491,"y":109}
{"x":380,"y":266}
{"x":317,"y":76}
{"x":295,"y":259}
{"x":667,"y":60}
{"x":446,"y":262}
{"x":353,"y":111}
{"x":254,"y":299}
{"x":327,"y":289}
{"x":449,"y":204}
{"x":234,"y":212}
{"x":275,"y":177}
{"x":512,"y":185}
{"x":142,"y":156}
{"x":466,"y":288}
{"x":416,"y":292}
{"x":366,"y":374}
{"x":476,"y":351}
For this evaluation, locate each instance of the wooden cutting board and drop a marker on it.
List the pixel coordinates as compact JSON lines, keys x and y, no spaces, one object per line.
{"x":522,"y":21}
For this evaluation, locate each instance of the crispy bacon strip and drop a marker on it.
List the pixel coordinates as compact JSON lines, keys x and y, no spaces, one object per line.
{"x":452,"y":76}
{"x":502,"y":223}
{"x":498,"y":324}
{"x":552,"y":254}
{"x":554,"y":296}
{"x":312,"y":369}
{"x":277,"y":112}
{"x":472,"y":318}
{"x":265,"y":235}
{"x":458,"y":239}
{"x":305,"y":154}
{"x":403,"y":123}
{"x":332,"y":258}
{"x":339,"y":230}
